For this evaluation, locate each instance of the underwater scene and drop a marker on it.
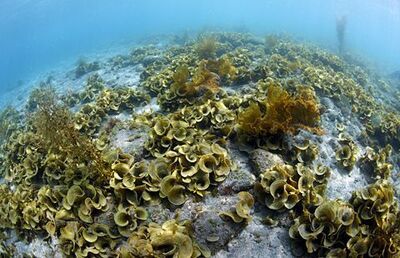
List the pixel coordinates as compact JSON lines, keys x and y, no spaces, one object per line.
{"x":189,"y":129}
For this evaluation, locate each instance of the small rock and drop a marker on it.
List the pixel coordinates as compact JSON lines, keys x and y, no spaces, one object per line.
{"x":237,"y":181}
{"x":327,"y":103}
{"x":262,"y":160}
{"x":342,"y":184}
{"x":159,"y":214}
{"x":208,"y":225}
{"x":130,"y":140}
{"x":257,"y":240}
{"x":37,"y":247}
{"x":241,"y":178}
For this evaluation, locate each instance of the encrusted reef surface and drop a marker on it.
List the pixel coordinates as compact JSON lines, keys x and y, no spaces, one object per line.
{"x":223,"y":145}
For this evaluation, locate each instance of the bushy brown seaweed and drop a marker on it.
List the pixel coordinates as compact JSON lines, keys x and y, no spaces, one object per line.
{"x":206,"y":47}
{"x":53,"y":123}
{"x":281,"y":112}
{"x":187,"y":89}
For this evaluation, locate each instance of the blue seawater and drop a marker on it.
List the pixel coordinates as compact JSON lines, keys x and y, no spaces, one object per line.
{"x":39,"y":35}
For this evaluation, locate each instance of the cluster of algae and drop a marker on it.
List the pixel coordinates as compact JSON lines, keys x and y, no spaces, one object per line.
{"x":346,"y":154}
{"x":365,"y":226}
{"x":280,"y":112}
{"x":241,"y":213}
{"x":64,"y":179}
{"x":84,"y":67}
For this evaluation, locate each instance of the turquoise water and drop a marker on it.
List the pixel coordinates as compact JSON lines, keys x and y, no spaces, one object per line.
{"x":38,"y":36}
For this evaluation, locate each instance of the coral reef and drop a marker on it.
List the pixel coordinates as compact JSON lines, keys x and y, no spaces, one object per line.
{"x":167,"y":164}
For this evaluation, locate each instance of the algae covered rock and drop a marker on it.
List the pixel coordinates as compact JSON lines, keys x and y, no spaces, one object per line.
{"x":262,"y":160}
{"x":241,"y":178}
{"x":258,"y":241}
{"x":238,"y":180}
{"x":212,"y":231}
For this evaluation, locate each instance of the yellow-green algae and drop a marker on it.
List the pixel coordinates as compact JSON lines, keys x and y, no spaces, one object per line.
{"x":346,"y":154}
{"x":241,"y":213}
{"x":63,"y":179}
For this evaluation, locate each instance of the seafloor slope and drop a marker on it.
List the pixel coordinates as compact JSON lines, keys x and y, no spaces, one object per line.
{"x":223,"y":146}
